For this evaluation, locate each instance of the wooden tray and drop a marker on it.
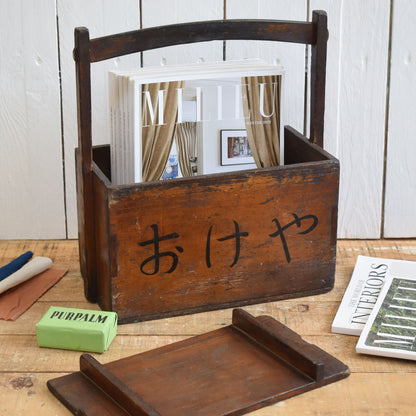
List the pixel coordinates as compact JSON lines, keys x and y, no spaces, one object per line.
{"x":230,"y":371}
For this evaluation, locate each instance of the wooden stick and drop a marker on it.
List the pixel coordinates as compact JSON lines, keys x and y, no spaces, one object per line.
{"x":281,"y":341}
{"x":114,"y":388}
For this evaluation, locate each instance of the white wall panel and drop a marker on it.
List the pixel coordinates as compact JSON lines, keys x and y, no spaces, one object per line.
{"x":162,"y":12}
{"x":361,"y":118}
{"x":101,"y":17}
{"x":291,"y":56}
{"x":400,"y":197}
{"x":31,"y":179}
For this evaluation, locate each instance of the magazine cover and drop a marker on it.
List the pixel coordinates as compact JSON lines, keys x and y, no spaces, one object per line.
{"x":170,"y":122}
{"x":391,"y":329}
{"x":362,"y":292}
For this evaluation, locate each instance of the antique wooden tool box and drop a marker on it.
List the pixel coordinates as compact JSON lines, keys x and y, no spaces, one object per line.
{"x":157,"y":249}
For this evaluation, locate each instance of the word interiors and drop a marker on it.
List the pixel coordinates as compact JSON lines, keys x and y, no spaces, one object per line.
{"x":369,"y":293}
{"x":158,"y":106}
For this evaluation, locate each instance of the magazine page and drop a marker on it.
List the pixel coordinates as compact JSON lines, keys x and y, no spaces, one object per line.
{"x":391,"y":329}
{"x":366,"y":282}
{"x":196,"y":120}
{"x":113,"y":106}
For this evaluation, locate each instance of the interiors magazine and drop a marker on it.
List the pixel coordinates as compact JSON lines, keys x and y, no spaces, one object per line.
{"x":391,"y":328}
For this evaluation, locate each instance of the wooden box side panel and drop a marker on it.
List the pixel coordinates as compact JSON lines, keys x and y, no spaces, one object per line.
{"x":223,"y":240}
{"x":81,"y":216}
{"x":102,"y":238}
{"x":102,"y":159}
{"x":299,"y":149}
{"x":87,"y":249}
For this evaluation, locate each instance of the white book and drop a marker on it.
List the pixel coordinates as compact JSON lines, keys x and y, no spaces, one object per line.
{"x":363,"y":290}
{"x":390,"y":330}
{"x":210,"y":95}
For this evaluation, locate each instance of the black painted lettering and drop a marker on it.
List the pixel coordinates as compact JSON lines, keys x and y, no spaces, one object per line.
{"x":101,"y":319}
{"x":54,"y":314}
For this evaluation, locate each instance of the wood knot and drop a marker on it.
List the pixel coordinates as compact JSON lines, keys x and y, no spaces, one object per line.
{"x":21,"y":382}
{"x":300,"y":307}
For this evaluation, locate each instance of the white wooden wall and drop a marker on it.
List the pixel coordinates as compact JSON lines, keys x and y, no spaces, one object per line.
{"x":370,"y":120}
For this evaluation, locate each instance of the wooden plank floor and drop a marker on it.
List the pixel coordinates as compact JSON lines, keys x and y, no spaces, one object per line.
{"x":377,"y":386}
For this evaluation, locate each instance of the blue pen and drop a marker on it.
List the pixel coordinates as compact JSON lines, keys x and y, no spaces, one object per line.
{"x":15,"y":265}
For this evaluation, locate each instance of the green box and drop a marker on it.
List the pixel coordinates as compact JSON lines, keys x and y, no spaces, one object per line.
{"x":76,"y":329}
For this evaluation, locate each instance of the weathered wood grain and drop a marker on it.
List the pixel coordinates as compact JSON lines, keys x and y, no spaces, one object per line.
{"x":25,"y":368}
{"x":204,"y":269}
{"x":27,"y":394}
{"x":21,"y":353}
